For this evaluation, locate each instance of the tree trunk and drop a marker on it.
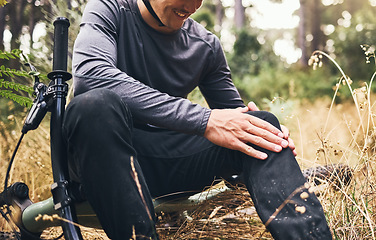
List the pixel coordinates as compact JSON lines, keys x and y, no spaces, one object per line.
{"x":219,"y":13}
{"x":302,"y":33}
{"x":32,"y":21}
{"x":2,"y":27}
{"x":239,"y":15}
{"x":16,"y":11}
{"x":316,"y":26}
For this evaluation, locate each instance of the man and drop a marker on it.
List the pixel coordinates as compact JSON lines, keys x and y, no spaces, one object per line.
{"x":132,"y":134}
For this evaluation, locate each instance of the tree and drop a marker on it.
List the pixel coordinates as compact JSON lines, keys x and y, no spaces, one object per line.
{"x":310,"y":25}
{"x":2,"y":27}
{"x":219,"y":13}
{"x":347,"y":41}
{"x":317,"y":42}
{"x":15,"y":11}
{"x":302,"y":33}
{"x":239,"y":16}
{"x":20,"y":18}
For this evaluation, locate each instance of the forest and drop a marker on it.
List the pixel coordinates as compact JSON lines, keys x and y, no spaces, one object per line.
{"x":316,"y":74}
{"x":335,"y":27}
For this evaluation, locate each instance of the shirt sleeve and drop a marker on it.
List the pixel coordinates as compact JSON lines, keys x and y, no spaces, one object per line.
{"x":217,"y":87}
{"x":95,"y":66}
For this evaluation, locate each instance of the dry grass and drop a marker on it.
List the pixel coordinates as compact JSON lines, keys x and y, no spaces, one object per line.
{"x":229,"y":215}
{"x":349,"y":209}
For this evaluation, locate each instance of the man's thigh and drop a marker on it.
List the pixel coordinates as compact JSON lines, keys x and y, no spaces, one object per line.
{"x":175,"y":162}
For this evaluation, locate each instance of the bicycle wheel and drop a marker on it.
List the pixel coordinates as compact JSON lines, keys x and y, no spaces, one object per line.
{"x":336,"y":174}
{"x":8,"y":235}
{"x":4,"y":235}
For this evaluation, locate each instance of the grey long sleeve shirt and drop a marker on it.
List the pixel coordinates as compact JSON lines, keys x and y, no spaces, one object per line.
{"x":152,"y":72}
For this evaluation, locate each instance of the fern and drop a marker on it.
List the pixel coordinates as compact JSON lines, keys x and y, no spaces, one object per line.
{"x":12,"y":72}
{"x":16,"y":86}
{"x":23,"y":101}
{"x":16,"y":53}
{"x":10,"y":89}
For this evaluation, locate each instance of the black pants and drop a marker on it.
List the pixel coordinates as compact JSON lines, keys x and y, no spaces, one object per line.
{"x":102,"y":141}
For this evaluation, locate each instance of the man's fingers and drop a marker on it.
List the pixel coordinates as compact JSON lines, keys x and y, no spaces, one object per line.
{"x":243,"y":109}
{"x":245,"y":148}
{"x":286,"y":134}
{"x":295,"y":153}
{"x":267,"y":141}
{"x":285,"y":131}
{"x":292,"y":146}
{"x":259,"y":123}
{"x":252,"y":107}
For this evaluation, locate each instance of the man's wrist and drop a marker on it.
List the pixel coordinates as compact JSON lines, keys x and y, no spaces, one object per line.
{"x":205,"y":121}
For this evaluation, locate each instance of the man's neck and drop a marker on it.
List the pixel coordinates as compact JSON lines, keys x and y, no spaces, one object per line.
{"x":150,"y":20}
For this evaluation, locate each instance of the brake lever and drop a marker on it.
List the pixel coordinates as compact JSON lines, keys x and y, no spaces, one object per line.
{"x":39,"y":107}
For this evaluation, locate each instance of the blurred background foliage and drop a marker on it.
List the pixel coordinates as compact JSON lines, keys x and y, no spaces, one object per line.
{"x":337,"y":27}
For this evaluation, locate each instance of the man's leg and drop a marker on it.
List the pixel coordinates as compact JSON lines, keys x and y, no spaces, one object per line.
{"x":271,"y":182}
{"x":175,"y":162}
{"x":98,"y":127}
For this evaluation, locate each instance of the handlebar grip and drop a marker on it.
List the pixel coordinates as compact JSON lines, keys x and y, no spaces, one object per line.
{"x":60,"y":54}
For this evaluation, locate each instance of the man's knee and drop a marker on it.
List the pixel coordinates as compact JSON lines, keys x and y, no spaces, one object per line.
{"x":96,"y":101}
{"x":266,"y":116}
{"x":98,"y":104}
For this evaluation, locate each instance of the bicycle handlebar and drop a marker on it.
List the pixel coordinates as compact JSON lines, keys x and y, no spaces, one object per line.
{"x":58,"y":88}
{"x":61,"y":44}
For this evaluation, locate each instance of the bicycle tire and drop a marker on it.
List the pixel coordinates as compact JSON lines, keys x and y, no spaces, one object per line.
{"x":336,"y":174}
{"x":9,"y":235}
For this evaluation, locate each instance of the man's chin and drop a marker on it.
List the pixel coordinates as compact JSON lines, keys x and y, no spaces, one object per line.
{"x":170,"y":29}
{"x":176,"y":27}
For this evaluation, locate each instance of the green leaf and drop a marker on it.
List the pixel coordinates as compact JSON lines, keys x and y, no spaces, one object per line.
{"x":16,"y":86}
{"x":13,"y":54}
{"x":23,"y":101}
{"x":10,"y":85}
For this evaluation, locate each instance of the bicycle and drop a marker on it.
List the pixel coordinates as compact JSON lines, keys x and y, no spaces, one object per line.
{"x":50,"y":98}
{"x":67,"y":202}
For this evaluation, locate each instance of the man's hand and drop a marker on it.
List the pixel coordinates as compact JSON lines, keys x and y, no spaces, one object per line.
{"x":233,"y":128}
{"x":286,"y":133}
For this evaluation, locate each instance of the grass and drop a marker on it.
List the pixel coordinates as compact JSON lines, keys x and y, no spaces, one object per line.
{"x":349,"y":209}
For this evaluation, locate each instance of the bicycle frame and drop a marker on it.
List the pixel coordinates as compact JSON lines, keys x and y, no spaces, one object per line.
{"x":32,"y":220}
